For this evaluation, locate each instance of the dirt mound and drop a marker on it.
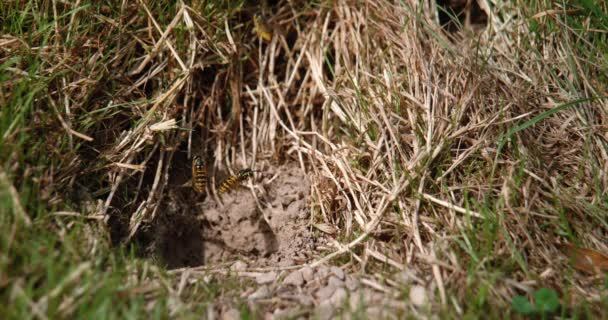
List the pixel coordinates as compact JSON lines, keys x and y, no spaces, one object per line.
{"x":265,"y":224}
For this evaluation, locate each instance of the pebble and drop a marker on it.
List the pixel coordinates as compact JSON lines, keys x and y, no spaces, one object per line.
{"x":268,"y":277}
{"x":286,"y":263}
{"x":325,"y":292}
{"x":335,"y":282}
{"x":405,"y":277}
{"x":364,"y":297}
{"x":321,"y":273}
{"x":337,"y":272}
{"x":239,"y":266}
{"x":307,"y":273}
{"x":305,"y":300}
{"x":356,"y":301}
{"x":325,"y":311}
{"x":232,"y":314}
{"x":281,"y":314}
{"x":262,"y":293}
{"x":418,"y":295}
{"x":337,"y":299}
{"x":295,"y":278}
{"x":375,"y":312}
{"x":351,"y":283}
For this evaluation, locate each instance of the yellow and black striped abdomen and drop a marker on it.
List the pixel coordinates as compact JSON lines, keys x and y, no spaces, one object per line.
{"x":228,"y":184}
{"x":199,"y":174}
{"x":261,"y":28}
{"x":232,"y":181}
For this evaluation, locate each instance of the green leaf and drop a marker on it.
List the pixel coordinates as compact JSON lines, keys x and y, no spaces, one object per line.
{"x":522,"y":306}
{"x":591,"y":6}
{"x":546,"y":300}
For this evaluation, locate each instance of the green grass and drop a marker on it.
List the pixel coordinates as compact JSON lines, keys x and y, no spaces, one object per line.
{"x":58,"y":266}
{"x":58,"y":275}
{"x":63,"y":267}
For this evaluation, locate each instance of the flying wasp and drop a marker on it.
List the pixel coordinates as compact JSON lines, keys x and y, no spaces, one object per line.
{"x":261,"y":28}
{"x":231,"y":182}
{"x":199,"y":174}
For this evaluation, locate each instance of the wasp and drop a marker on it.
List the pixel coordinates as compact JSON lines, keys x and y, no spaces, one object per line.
{"x":199,"y":174}
{"x":231,"y":182}
{"x":261,"y":28}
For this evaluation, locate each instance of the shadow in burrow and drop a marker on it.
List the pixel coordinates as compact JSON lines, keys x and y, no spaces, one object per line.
{"x":193,"y":229}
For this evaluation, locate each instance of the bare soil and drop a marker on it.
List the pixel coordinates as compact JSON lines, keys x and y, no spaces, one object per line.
{"x":265,"y":224}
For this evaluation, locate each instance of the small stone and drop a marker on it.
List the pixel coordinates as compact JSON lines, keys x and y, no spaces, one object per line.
{"x":325,"y":292}
{"x":286,"y":263}
{"x":363,"y":298}
{"x":335,"y":282}
{"x":356,"y":300}
{"x":375,"y":312}
{"x":337,"y":272}
{"x":321,"y":273}
{"x":295,"y":278}
{"x":305,"y":300}
{"x":281,"y":314}
{"x":307,"y":273}
{"x":373,"y":297}
{"x":418,"y":295}
{"x":337,"y":299}
{"x":404,"y":277}
{"x":232,"y":314}
{"x":262,"y":293}
{"x":239,"y":266}
{"x":325,"y":311}
{"x":268,"y":277}
{"x":351,"y":283}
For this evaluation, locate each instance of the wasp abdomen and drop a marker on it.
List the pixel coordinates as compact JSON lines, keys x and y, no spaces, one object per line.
{"x":231,"y":182}
{"x":199,"y":174}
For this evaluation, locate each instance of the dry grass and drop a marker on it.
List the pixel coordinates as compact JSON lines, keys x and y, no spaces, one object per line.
{"x":464,"y":158}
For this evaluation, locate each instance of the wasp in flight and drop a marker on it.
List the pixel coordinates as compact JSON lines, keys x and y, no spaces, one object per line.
{"x":231,"y":182}
{"x":261,"y":28}
{"x":199,"y":174}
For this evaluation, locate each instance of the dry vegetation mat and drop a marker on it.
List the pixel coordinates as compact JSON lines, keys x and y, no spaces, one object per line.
{"x":371,"y":158}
